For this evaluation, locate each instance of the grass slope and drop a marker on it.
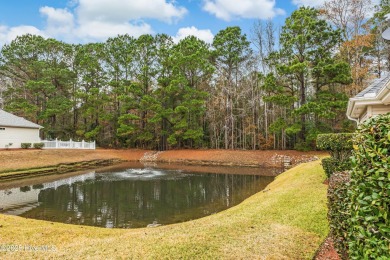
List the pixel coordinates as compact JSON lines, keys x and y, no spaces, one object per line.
{"x":286,"y":221}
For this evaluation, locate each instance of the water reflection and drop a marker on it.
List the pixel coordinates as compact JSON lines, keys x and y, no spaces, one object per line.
{"x":128,"y":198}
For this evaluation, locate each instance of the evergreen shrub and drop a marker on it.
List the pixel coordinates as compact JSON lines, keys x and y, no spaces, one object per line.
{"x":339,"y":145}
{"x":340,"y":148}
{"x":25,"y":145}
{"x":339,"y":210}
{"x":302,"y":146}
{"x":369,"y":191}
{"x":38,"y":145}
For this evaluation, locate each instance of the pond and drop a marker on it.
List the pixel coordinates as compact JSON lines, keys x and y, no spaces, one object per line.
{"x":132,"y":196}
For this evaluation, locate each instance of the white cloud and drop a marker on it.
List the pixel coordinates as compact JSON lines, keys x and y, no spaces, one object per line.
{"x":96,"y":30}
{"x":205,"y":35}
{"x":96,"y":20}
{"x":313,"y":3}
{"x":62,"y":23}
{"x":7,"y":34}
{"x":100,"y":19}
{"x":58,"y":21}
{"x":230,"y":9}
{"x":124,"y":10}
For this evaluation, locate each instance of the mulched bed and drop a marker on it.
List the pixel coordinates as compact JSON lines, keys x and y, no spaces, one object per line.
{"x":327,"y":251}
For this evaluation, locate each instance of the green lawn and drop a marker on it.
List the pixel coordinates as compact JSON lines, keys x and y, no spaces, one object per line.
{"x":286,"y":221}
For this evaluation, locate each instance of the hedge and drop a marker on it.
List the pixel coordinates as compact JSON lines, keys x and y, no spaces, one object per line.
{"x":332,"y":165}
{"x":38,"y":145}
{"x":340,"y":149}
{"x":369,"y":191}
{"x":25,"y":145}
{"x":339,"y":145}
{"x":339,"y":211}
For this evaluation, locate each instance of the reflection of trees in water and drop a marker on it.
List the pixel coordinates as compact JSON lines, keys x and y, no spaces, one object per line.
{"x":137,"y":203}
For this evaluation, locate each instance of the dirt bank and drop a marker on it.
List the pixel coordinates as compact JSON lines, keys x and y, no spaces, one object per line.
{"x":271,"y":158}
{"x":27,"y":159}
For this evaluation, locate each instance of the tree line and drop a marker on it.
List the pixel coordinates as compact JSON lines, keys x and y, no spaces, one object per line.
{"x":277,"y":91}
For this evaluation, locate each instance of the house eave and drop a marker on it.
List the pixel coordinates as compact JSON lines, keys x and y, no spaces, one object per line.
{"x":357,"y":106}
{"x":29,"y":127}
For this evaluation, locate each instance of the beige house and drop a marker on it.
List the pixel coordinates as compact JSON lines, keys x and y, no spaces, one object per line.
{"x":373,"y":101}
{"x":16,"y":130}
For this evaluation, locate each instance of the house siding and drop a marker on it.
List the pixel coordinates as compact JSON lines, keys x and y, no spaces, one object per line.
{"x":379,"y":110}
{"x":374,"y":111}
{"x":364,"y":117}
{"x":18,"y":135}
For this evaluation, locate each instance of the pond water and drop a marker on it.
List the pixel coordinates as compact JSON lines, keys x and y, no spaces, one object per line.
{"x":131,"y":197}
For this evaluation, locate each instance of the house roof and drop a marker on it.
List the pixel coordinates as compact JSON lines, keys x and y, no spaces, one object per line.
{"x":7,"y":119}
{"x":377,"y":93}
{"x":375,"y":87}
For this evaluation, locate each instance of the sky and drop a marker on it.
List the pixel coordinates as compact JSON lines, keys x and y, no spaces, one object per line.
{"x":82,"y":21}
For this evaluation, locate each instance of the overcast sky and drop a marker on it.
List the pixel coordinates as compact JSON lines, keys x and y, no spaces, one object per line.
{"x":80,"y":21}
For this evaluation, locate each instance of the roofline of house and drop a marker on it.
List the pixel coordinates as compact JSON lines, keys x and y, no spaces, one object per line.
{"x":377,"y":100}
{"x":37,"y":127}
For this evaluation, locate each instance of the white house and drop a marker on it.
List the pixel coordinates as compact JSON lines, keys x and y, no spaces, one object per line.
{"x":16,"y":130}
{"x":373,"y":101}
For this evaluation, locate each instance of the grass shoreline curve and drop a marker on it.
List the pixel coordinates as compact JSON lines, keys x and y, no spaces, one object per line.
{"x":285,"y":221}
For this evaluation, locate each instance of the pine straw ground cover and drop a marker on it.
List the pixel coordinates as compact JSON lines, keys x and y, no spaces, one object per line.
{"x":285,"y":221}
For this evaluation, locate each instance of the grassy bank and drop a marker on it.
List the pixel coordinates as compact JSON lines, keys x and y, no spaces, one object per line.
{"x":286,"y":221}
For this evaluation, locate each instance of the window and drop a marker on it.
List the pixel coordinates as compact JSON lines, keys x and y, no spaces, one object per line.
{"x":2,"y":128}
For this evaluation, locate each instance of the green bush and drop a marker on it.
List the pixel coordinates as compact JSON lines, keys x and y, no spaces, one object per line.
{"x":369,"y":192}
{"x":339,"y":145}
{"x":340,"y":149}
{"x":302,"y":147}
{"x":25,"y":145}
{"x":39,"y":145}
{"x":332,"y":165}
{"x":339,"y":211}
